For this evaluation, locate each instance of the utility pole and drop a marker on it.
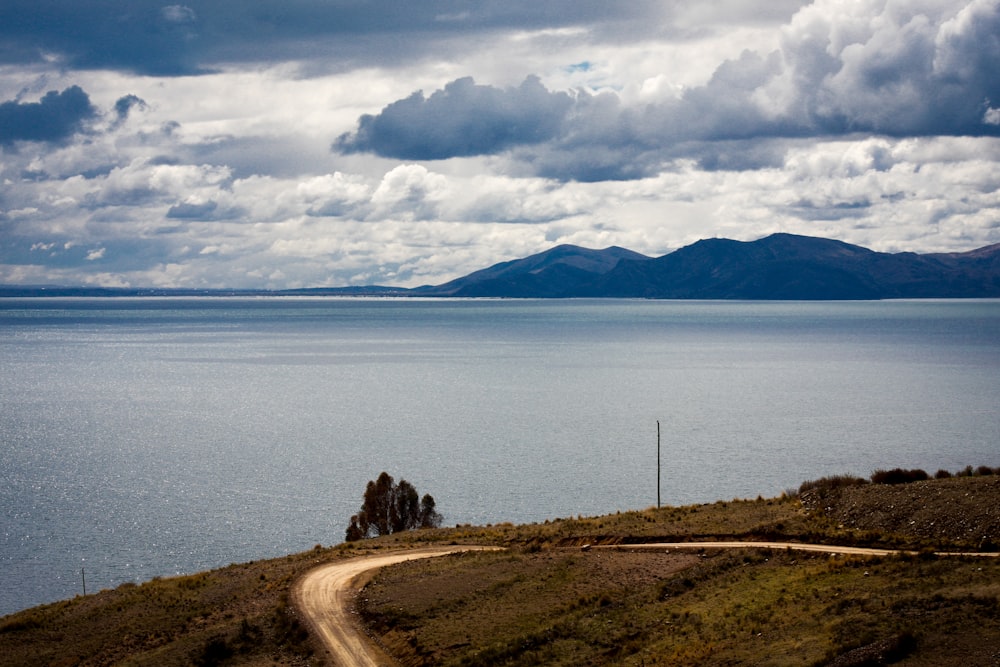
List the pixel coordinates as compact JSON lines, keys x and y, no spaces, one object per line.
{"x":657,"y":463}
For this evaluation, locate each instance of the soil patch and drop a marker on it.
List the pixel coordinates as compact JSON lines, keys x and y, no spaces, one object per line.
{"x":962,"y":510}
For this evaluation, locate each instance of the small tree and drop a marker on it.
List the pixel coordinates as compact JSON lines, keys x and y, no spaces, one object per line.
{"x":406,"y":507}
{"x":429,"y":517}
{"x":389,"y":507}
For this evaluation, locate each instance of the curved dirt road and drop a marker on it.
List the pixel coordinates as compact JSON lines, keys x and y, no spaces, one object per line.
{"x":325,"y":596}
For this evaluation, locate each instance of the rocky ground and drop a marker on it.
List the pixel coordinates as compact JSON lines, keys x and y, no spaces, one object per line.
{"x":960,"y":510}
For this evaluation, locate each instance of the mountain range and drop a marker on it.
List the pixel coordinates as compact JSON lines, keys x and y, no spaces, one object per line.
{"x":780,"y":266}
{"x":777,"y":267}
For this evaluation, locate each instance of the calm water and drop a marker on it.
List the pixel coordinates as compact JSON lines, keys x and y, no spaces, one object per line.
{"x":147,"y":437}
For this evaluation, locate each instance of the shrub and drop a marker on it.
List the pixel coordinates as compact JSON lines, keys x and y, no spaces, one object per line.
{"x":826,"y":484}
{"x":215,"y":652}
{"x":898,"y":476}
{"x":942,"y":474}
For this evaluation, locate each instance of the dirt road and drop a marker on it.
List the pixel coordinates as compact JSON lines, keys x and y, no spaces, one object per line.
{"x":326,"y":598}
{"x":326,"y":595}
{"x":795,"y":546}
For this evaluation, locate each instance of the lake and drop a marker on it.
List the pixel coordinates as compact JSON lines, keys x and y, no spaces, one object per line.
{"x":148,"y":437}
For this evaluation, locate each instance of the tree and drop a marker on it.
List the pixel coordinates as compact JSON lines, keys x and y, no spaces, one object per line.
{"x":406,"y":508}
{"x":389,"y":507}
{"x":429,"y":517}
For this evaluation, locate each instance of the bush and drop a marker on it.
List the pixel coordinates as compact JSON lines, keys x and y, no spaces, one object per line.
{"x":898,"y":476}
{"x":942,"y":474}
{"x":826,"y":484}
{"x":215,"y":652}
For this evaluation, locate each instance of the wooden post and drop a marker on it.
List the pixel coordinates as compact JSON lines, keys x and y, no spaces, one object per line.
{"x":83,"y":578}
{"x":657,"y":463}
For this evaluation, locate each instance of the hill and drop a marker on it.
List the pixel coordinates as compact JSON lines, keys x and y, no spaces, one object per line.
{"x":554,"y":273}
{"x":545,"y":601}
{"x":780,"y":266}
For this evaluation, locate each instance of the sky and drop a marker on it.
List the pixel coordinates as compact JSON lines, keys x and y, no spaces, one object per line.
{"x":303,"y":143}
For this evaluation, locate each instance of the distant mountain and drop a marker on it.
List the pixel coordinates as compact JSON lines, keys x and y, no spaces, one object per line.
{"x":554,"y":273}
{"x":780,"y":266}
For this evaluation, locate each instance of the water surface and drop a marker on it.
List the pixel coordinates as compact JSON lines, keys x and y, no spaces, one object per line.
{"x":148,"y":437}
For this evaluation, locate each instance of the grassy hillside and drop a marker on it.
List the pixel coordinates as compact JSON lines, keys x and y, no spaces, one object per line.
{"x":546,"y":601}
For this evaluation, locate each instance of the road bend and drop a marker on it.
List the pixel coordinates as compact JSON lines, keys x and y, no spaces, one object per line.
{"x":326,"y":595}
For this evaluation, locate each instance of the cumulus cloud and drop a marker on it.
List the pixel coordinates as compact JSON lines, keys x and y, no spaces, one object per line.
{"x":898,"y":69}
{"x":647,"y":125}
{"x":143,"y":182}
{"x":124,"y":105}
{"x":164,"y":223}
{"x":193,"y":210}
{"x":56,"y":117}
{"x":460,"y":120}
{"x":843,"y":68}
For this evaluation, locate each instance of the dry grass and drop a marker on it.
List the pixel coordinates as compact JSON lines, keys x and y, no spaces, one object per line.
{"x":234,"y":615}
{"x":544,"y":601}
{"x":565,"y":607}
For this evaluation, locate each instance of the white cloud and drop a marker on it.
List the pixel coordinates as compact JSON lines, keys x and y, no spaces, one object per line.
{"x":179,"y":14}
{"x":227,"y":178}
